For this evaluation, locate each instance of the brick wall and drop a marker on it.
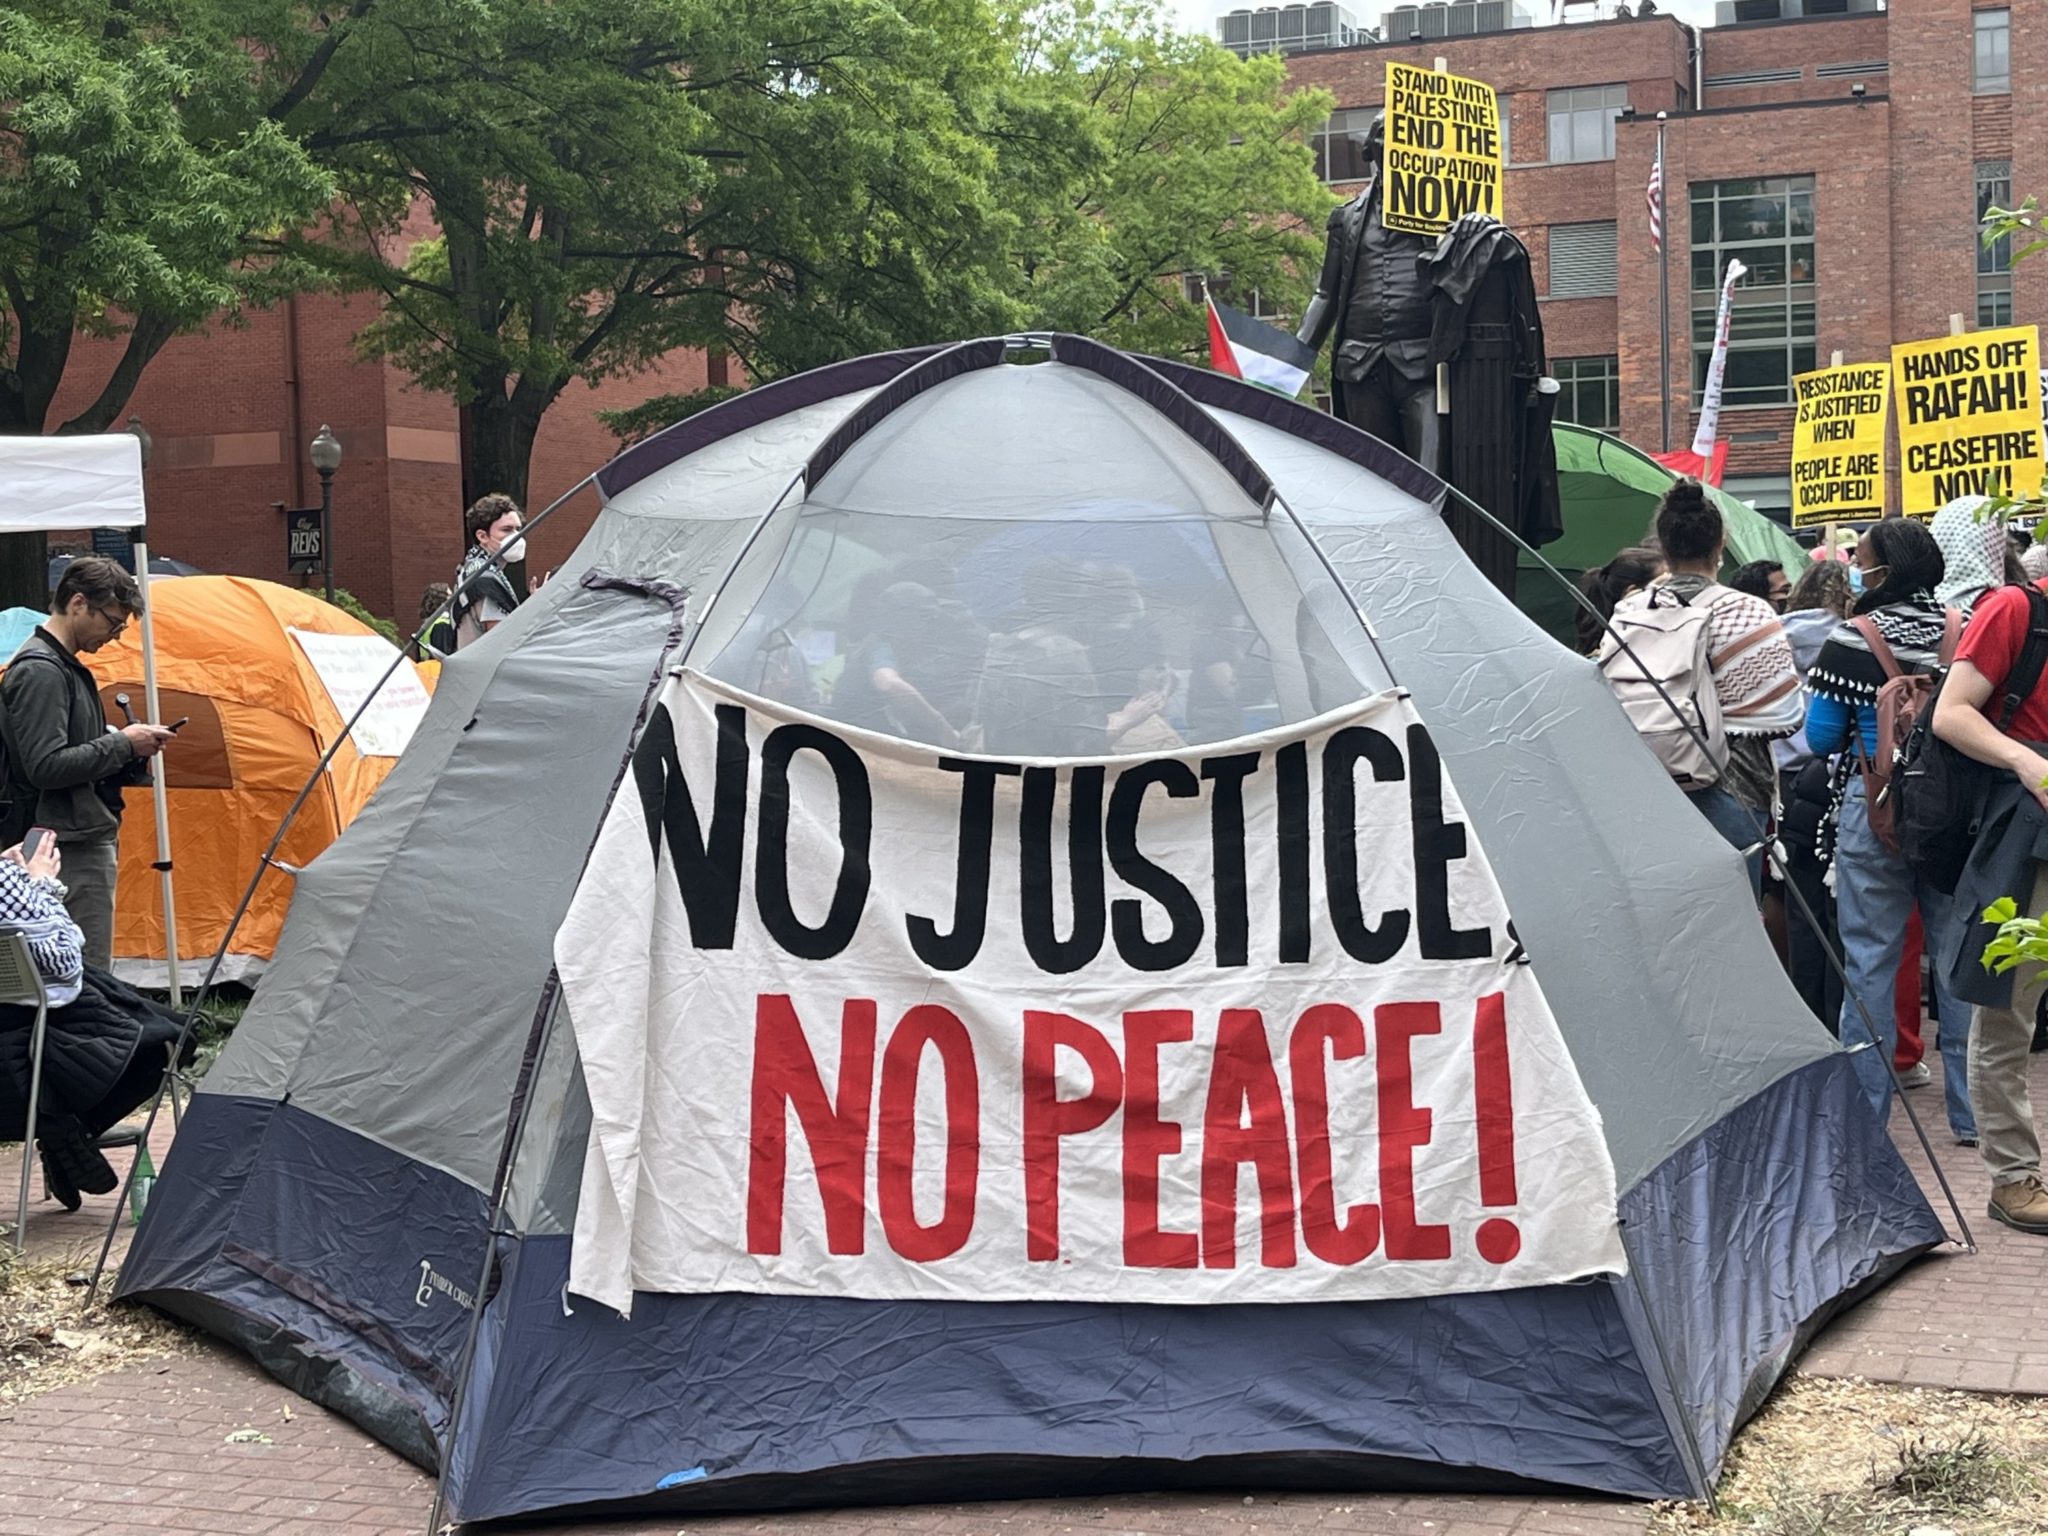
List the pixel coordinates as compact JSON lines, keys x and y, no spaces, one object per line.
{"x":230,"y":419}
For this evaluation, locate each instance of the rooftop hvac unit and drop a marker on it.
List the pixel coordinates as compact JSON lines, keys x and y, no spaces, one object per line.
{"x":1464,"y":18}
{"x":1289,"y":28}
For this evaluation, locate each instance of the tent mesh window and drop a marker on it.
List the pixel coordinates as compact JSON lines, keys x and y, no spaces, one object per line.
{"x":984,"y":600}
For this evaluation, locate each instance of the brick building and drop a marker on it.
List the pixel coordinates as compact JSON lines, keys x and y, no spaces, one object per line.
{"x":1843,"y":157}
{"x":231,"y":410}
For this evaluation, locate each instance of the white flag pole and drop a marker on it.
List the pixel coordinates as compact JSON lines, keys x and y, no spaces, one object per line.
{"x":158,"y":798}
{"x":1710,"y":398}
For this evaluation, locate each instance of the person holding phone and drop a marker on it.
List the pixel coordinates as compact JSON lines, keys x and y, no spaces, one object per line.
{"x":64,"y":766}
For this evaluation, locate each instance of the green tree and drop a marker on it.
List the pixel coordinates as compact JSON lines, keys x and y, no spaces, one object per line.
{"x":1179,"y":157}
{"x":139,"y":159}
{"x":789,"y":180}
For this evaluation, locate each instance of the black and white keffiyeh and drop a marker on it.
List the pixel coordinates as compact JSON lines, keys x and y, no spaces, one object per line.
{"x":34,"y":908}
{"x":1848,"y":672}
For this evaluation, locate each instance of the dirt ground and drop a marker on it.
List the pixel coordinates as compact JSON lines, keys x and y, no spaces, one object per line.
{"x":1852,"y":1458}
{"x":46,"y":1341}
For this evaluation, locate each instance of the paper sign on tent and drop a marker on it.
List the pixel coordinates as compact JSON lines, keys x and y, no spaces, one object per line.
{"x":349,"y":667}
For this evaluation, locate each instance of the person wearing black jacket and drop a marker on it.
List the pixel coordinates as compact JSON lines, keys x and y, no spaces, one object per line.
{"x":65,"y":766}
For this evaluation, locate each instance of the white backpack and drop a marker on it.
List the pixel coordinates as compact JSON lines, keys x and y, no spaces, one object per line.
{"x":1668,"y":648}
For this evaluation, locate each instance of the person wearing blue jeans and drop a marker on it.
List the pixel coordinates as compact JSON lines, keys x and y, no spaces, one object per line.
{"x":1896,"y":628}
{"x":1875,"y":894}
{"x":1738,"y":824}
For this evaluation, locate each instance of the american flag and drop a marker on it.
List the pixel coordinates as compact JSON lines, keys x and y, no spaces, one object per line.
{"x":1655,"y":197}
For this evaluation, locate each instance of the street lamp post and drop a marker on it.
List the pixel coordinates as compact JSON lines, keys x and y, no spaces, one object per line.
{"x":325,"y":452}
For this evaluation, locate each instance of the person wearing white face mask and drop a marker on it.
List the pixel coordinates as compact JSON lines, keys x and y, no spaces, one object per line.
{"x":485,"y":596}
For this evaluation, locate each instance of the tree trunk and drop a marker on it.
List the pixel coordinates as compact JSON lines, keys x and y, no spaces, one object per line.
{"x":496,"y":455}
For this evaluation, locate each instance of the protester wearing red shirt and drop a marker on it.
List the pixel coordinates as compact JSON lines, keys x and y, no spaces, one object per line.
{"x":2000,"y":1037}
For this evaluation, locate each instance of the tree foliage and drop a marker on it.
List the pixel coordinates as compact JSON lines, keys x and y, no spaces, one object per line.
{"x":138,"y":161}
{"x":1184,"y":158}
{"x":789,"y":181}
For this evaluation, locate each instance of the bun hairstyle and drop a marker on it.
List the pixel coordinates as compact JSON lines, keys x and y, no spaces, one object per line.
{"x":1688,"y":525}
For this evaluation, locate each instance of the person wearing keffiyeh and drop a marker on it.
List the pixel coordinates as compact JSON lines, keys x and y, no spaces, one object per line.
{"x":104,"y":1047}
{"x":1973,"y":553}
{"x":1898,"y":567}
{"x":1755,"y":680}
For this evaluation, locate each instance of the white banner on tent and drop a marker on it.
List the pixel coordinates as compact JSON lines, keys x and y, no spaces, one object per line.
{"x":88,"y":481}
{"x":348,"y":667}
{"x":1243,"y":1023}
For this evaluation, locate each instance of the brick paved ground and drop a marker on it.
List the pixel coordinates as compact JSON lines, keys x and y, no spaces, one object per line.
{"x":1976,"y":1321}
{"x":72,"y":1238}
{"x":146,"y":1449}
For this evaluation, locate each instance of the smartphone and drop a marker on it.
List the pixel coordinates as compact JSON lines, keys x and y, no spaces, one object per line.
{"x":32,"y":844}
{"x":179,"y":724}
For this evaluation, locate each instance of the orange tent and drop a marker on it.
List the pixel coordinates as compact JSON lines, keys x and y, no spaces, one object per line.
{"x":259,"y":718}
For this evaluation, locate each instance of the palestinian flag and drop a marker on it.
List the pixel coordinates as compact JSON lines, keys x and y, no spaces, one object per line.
{"x":1256,"y":352}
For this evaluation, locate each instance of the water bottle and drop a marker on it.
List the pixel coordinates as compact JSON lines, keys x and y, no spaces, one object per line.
{"x":142,"y":1184}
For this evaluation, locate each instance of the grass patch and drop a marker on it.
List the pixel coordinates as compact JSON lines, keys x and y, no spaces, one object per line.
{"x":1851,"y":1458}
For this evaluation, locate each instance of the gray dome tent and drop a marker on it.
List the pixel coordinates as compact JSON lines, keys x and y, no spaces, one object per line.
{"x":405,"y":1083}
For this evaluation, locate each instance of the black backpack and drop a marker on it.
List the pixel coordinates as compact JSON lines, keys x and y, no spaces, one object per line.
{"x":1938,"y":792}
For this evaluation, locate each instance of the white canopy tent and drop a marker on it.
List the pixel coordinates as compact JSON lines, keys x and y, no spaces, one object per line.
{"x":95,"y":482}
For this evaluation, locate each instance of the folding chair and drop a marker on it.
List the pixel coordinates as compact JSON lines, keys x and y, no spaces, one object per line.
{"x":21,"y":985}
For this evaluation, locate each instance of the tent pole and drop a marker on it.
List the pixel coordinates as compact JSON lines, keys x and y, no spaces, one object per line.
{"x":515,"y":1140}
{"x":156,"y":779}
{"x":1770,"y":851}
{"x":546,"y":1017}
{"x":266,"y":862}
{"x":1689,"y":1435}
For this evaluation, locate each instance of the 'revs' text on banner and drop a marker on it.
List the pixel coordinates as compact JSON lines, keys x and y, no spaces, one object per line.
{"x":1838,"y":443}
{"x":1969,"y":417}
{"x":1243,"y":1023}
{"x":1440,"y":159}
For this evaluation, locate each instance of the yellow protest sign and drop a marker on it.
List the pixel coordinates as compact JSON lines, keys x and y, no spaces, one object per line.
{"x":1838,"y":443}
{"x":1969,"y":416}
{"x":1441,"y":158}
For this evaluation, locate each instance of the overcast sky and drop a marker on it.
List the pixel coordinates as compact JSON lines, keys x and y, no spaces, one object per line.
{"x":1200,"y":15}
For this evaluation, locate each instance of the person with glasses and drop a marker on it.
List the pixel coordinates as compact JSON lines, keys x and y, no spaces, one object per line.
{"x":64,"y":766}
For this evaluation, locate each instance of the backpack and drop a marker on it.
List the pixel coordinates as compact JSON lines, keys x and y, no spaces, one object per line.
{"x":1905,"y":699}
{"x":1936,"y":793}
{"x":1658,"y":652}
{"x":18,"y":798}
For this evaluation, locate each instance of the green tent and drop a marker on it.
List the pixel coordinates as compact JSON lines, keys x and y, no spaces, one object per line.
{"x":1609,"y":493}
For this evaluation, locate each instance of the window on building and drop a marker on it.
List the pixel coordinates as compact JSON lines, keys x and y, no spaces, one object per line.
{"x":1768,"y":494}
{"x":1252,"y":302}
{"x":1767,"y":225}
{"x":1994,"y":261}
{"x":1582,"y":122}
{"x":1591,"y":391}
{"x":1500,"y":108}
{"x":1993,"y":76}
{"x":1340,"y":146}
{"x":1582,"y":261}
